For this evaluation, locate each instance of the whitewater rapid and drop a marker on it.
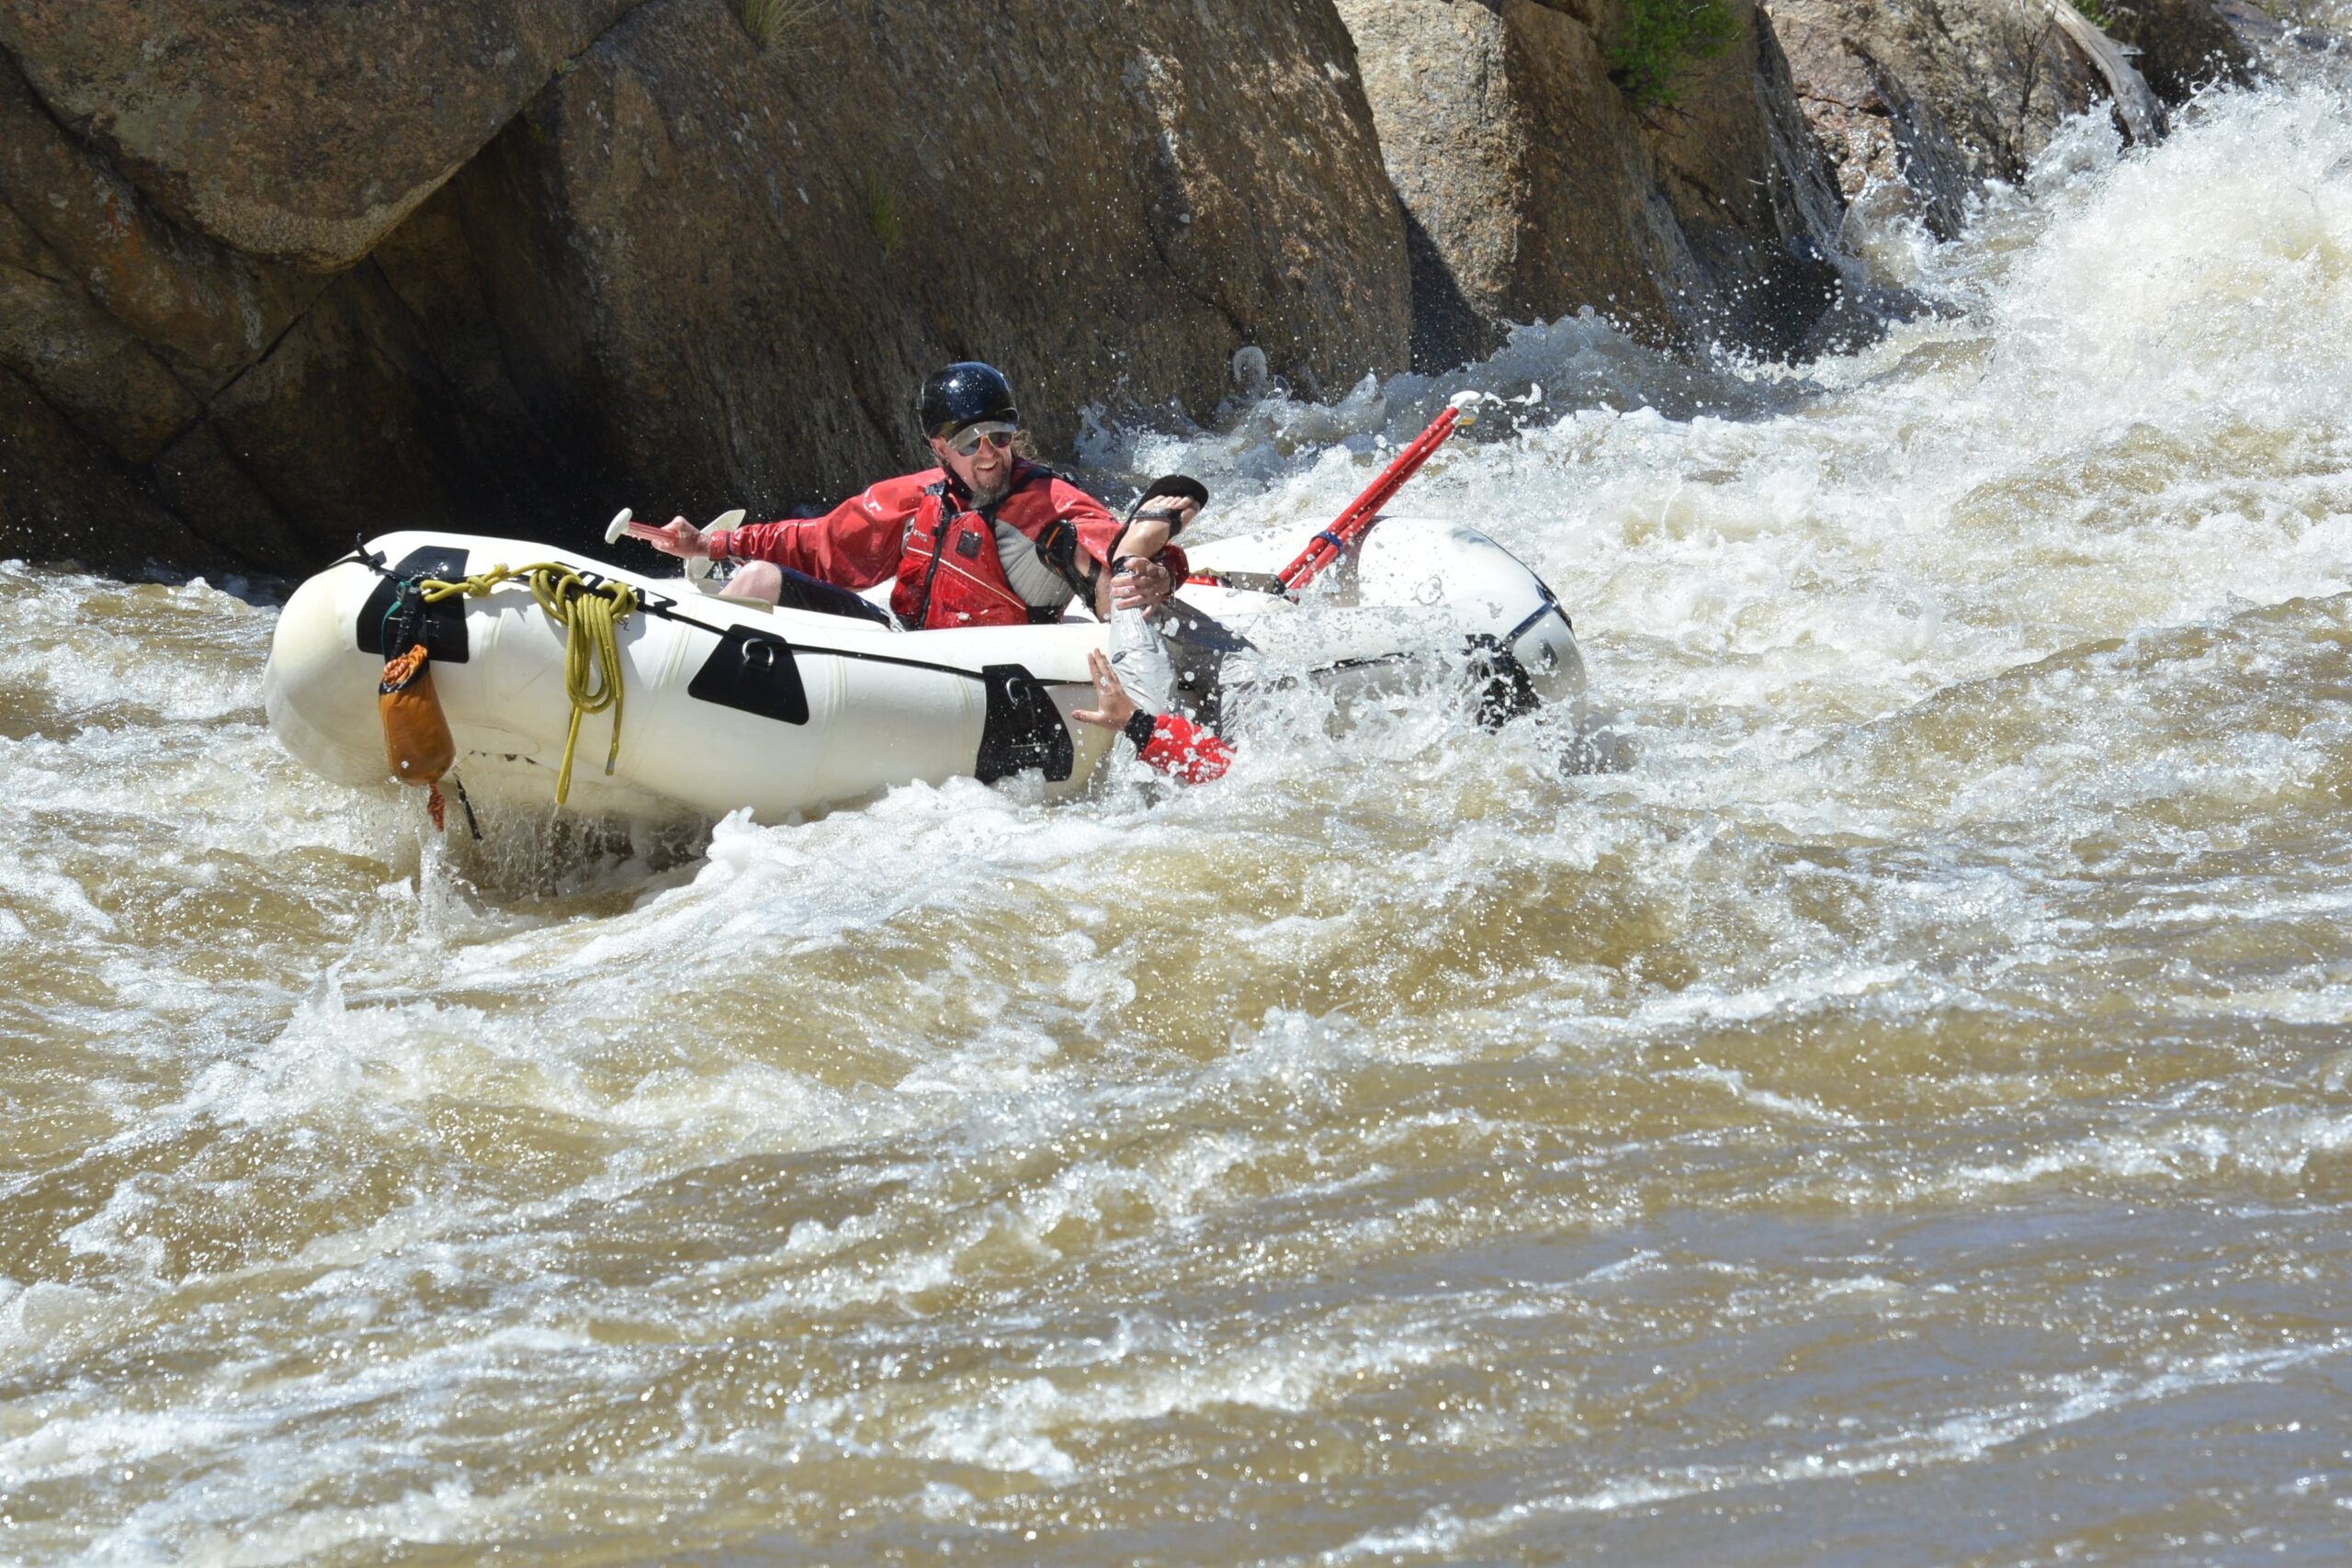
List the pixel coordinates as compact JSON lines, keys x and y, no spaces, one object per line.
{"x":1898,"y":1108}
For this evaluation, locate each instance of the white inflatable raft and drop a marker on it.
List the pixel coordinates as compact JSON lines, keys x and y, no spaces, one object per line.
{"x":729,"y":705}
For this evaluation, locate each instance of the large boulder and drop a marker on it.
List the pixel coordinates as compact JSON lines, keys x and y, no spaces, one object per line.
{"x":1535,"y":186}
{"x":719,"y":272}
{"x":202,"y":310}
{"x":1926,"y":99}
{"x":1887,"y":146}
{"x":293,"y":132}
{"x":63,"y":497}
{"x":1755,"y":200}
{"x":246,"y":311}
{"x":2180,"y":46}
{"x":90,"y":365}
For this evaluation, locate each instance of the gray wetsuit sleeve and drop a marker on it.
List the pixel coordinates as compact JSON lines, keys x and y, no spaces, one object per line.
{"x":1039,"y":584}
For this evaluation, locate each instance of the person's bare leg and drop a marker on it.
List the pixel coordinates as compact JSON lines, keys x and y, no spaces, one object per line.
{"x":757,"y":581}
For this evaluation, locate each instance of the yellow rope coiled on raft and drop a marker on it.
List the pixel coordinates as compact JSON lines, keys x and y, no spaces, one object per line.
{"x":591,"y":614}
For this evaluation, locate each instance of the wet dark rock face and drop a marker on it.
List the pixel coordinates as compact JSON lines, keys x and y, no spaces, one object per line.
{"x":273,"y":274}
{"x":1536,"y":187}
{"x":2180,"y":46}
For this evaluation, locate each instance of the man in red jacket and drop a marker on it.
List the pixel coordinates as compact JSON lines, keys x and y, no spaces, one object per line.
{"x":988,"y":538}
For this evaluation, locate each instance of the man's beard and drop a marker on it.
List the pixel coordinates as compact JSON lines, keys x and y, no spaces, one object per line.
{"x":990,"y":495}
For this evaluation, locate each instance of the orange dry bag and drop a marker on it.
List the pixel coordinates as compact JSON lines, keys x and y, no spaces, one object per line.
{"x":416,"y":736}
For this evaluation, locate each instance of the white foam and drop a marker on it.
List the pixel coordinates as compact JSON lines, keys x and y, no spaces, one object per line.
{"x":88,"y":644}
{"x":1012,"y":1427}
{"x":1795,"y":1106}
{"x":1817,"y":601}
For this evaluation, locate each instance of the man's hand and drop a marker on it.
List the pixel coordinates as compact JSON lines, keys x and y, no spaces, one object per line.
{"x":1145,"y":584}
{"x":675,"y":537}
{"x":1139,"y":584}
{"x":1114,"y":706}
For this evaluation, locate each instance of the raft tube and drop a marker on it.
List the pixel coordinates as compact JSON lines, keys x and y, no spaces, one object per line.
{"x":729,"y":704}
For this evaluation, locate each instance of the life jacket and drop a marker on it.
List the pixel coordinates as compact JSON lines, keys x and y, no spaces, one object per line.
{"x":952,"y":574}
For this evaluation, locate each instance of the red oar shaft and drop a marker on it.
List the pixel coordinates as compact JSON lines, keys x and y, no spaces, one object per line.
{"x":1325,"y":547}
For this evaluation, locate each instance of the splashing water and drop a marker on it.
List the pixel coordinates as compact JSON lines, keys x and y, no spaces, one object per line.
{"x":1903,"y":1112}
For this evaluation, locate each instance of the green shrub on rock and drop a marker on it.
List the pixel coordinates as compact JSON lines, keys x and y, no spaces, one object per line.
{"x":774,"y":21}
{"x":1660,"y":40}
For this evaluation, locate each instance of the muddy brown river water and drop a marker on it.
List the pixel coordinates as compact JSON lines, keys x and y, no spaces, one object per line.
{"x":1899,"y":1111}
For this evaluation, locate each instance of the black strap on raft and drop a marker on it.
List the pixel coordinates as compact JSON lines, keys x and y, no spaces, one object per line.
{"x":654,"y":604}
{"x":472,"y":825}
{"x":402,"y":626}
{"x":1023,"y":728}
{"x":394,"y":618}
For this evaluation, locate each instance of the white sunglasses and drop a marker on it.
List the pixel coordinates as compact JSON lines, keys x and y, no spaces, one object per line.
{"x":967,"y":441}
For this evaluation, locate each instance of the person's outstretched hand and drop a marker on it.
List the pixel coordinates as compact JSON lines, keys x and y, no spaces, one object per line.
{"x":1113,"y":706}
{"x":675,"y":537}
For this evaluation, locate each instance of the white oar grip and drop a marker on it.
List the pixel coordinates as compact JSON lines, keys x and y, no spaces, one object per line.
{"x":618,"y":526}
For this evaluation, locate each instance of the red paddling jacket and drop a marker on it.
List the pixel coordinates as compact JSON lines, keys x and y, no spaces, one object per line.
{"x":1175,"y":745}
{"x":1020,"y":561}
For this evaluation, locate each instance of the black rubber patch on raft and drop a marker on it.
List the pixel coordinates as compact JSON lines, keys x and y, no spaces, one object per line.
{"x":441,"y":627}
{"x":1024,"y":730}
{"x":753,"y":671}
{"x":1503,"y":689}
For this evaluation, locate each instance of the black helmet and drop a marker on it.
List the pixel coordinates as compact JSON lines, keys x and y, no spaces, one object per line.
{"x":965,"y":393}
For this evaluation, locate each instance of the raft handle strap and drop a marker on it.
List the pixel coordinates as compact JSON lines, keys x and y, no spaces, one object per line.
{"x":473,"y":826}
{"x":402,"y":623}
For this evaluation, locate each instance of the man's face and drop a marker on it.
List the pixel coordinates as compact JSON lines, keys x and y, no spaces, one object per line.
{"x":986,"y":469}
